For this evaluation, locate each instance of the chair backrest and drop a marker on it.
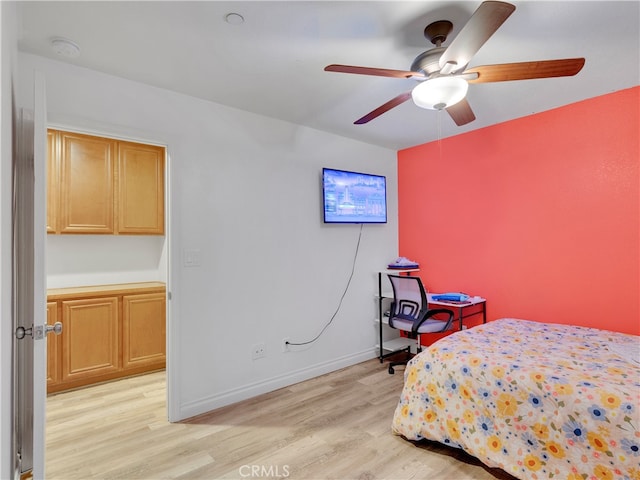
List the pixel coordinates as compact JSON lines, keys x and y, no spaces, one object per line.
{"x":409,"y":298}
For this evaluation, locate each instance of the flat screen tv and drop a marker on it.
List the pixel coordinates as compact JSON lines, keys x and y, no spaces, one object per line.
{"x":352,"y":197}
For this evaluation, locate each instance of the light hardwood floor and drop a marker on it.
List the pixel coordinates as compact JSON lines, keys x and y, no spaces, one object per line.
{"x":336,"y":426}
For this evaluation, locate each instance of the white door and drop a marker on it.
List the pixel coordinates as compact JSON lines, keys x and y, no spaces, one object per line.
{"x":29,"y":286}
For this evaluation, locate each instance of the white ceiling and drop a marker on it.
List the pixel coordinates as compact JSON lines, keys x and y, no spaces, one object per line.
{"x":272,"y":64}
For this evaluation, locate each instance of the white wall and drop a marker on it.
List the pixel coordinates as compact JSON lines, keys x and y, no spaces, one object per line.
{"x":245,"y":193}
{"x":77,"y":260}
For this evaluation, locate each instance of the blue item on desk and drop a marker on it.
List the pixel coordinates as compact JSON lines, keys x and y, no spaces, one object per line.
{"x":450,"y":297}
{"x":403,"y":263}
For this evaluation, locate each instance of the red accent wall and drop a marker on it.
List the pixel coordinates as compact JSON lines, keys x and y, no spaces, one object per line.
{"x":540,"y":215}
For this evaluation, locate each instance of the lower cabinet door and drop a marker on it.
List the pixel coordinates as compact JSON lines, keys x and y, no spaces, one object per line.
{"x":91,"y":344}
{"x":143,"y":330}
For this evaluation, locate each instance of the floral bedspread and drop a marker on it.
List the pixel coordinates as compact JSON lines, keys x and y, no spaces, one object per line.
{"x":536,"y":400}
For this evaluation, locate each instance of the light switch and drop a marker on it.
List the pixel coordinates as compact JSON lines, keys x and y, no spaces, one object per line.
{"x":192,"y":257}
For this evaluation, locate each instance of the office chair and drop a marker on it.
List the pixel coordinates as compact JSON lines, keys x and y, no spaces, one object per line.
{"x":410,"y":313}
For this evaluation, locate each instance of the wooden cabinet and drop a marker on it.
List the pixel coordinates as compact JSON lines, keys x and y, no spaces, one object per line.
{"x":53,"y":179}
{"x":140,"y":188}
{"x":90,"y":346}
{"x":108,"y":332}
{"x":104,"y":186}
{"x":86,"y":193}
{"x":143,"y":332}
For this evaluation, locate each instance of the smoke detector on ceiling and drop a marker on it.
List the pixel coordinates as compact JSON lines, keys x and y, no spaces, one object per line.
{"x":64,"y":47}
{"x":234,"y":18}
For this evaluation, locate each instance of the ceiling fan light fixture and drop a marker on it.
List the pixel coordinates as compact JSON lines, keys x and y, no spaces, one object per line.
{"x":440,"y":92}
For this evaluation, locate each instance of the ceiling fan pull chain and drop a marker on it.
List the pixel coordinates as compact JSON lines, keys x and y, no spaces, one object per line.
{"x":439,"y":120}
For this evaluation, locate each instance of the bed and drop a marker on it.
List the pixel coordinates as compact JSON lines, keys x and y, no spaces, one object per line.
{"x":537,"y":400}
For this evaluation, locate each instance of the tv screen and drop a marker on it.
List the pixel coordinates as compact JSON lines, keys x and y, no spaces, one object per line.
{"x":351,"y":197}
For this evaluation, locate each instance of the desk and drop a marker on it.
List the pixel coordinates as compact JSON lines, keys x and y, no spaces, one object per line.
{"x":460,"y":307}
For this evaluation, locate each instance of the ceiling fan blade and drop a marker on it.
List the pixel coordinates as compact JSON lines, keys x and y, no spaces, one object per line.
{"x":380,"y":72}
{"x":525,"y":70}
{"x":394,"y":102}
{"x":461,"y":112}
{"x":482,"y":24}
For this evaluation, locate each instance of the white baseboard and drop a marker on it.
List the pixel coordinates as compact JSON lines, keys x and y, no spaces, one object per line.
{"x":203,"y":405}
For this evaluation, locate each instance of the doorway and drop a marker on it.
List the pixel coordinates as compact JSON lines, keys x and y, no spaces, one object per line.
{"x":89,"y":259}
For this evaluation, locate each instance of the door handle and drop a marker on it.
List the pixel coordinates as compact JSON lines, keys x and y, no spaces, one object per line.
{"x":39,"y":331}
{"x":22,"y":332}
{"x":55,"y":328}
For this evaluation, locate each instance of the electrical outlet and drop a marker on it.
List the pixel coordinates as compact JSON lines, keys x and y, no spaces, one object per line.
{"x":259,"y":350}
{"x":285,"y":345}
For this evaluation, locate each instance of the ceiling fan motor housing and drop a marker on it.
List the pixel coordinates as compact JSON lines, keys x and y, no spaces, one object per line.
{"x":427,"y":62}
{"x":436,"y":33}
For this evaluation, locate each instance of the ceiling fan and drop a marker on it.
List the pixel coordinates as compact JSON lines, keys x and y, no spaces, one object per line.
{"x":442,"y":71}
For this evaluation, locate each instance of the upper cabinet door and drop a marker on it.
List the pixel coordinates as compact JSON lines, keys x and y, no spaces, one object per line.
{"x":86,"y":183}
{"x":140,"y":189}
{"x":53,"y":179}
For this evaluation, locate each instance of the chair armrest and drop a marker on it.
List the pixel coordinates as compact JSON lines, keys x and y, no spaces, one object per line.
{"x":431,"y":313}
